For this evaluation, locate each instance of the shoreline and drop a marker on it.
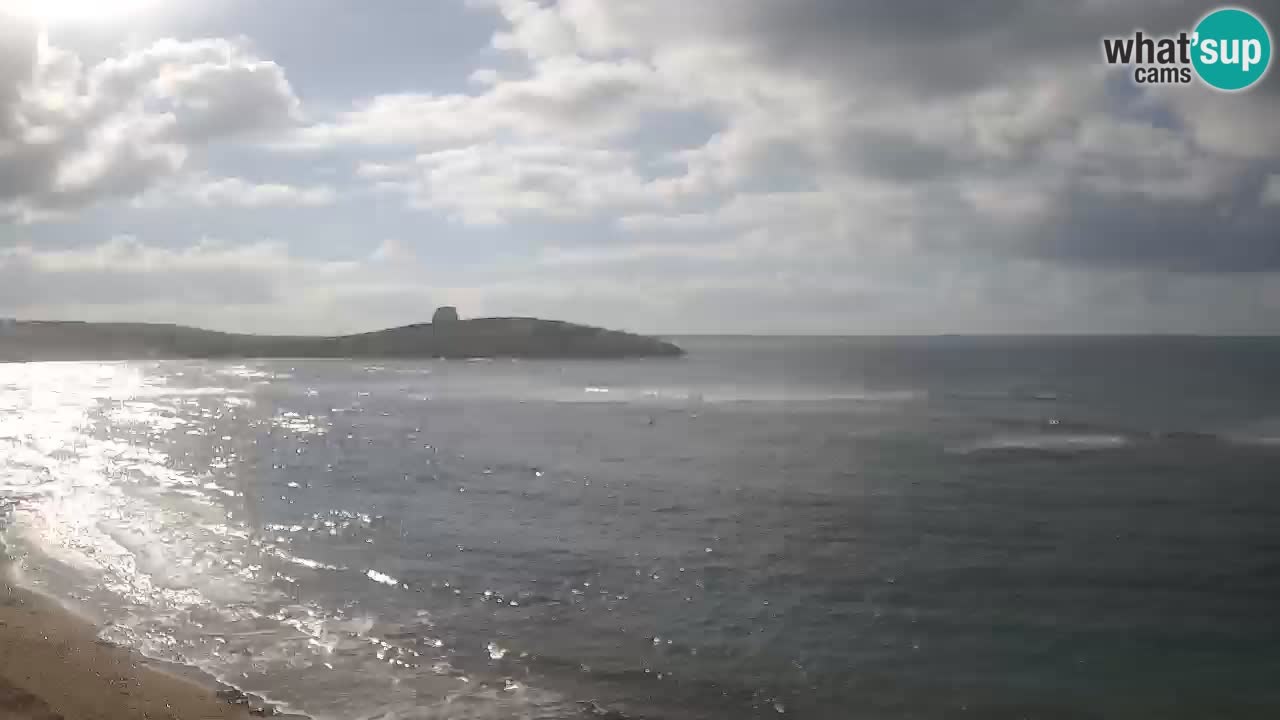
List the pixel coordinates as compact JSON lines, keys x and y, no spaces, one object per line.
{"x":53,"y":666}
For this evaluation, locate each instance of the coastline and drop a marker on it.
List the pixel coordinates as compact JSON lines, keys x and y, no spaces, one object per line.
{"x":447,"y":338}
{"x":54,"y":667}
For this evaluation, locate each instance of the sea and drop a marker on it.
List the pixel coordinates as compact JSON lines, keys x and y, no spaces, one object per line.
{"x":846,"y":528}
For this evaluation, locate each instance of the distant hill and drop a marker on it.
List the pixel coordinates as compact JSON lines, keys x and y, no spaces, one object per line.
{"x":446,"y":338}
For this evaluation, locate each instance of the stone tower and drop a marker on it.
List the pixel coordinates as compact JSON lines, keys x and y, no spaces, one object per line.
{"x":445,"y":314}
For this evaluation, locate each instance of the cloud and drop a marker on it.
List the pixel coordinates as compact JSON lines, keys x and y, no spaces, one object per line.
{"x":232,"y":192}
{"x":72,"y":135}
{"x":567,"y":97}
{"x":993,"y":127}
{"x":123,"y":271}
{"x":997,"y":119}
{"x":261,"y":286}
{"x":493,"y":184}
{"x":1241,"y":125}
{"x":729,"y":286}
{"x":884,"y":166}
{"x":1271,"y":191}
{"x":17,"y":63}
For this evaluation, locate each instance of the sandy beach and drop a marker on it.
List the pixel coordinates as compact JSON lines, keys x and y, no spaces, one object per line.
{"x":53,"y":667}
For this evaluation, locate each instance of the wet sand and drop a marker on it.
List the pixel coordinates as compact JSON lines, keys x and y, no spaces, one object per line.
{"x":52,"y":666}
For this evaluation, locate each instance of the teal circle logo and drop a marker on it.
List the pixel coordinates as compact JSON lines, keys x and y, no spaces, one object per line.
{"x":1231,"y":49}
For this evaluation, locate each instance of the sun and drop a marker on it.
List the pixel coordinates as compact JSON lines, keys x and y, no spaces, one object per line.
{"x":59,"y":12}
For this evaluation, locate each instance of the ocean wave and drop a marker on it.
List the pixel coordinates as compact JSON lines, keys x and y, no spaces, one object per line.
{"x":1067,"y":443}
{"x":1084,"y":441}
{"x":730,"y":396}
{"x":381,"y":577}
{"x":158,"y":390}
{"x":245,"y":372}
{"x":303,"y":562}
{"x":1265,"y":441}
{"x":1264,"y":433}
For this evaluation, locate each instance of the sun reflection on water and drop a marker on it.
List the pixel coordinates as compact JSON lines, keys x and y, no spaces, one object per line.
{"x":105,"y":507}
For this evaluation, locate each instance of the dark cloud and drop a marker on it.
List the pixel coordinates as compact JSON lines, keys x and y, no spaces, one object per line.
{"x":1230,"y":235}
{"x":17,"y":63}
{"x":1115,"y":195}
{"x":899,"y":157}
{"x":944,"y":47}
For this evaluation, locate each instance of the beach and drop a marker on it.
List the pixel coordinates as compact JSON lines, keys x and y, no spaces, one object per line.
{"x":53,"y":667}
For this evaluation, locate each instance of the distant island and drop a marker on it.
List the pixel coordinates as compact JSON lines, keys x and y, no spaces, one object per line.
{"x":446,"y":336}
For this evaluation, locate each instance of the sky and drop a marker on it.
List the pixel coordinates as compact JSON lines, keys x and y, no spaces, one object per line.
{"x":664,"y":166}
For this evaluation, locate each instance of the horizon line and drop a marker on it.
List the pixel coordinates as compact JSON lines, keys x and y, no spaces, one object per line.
{"x":725,"y":335}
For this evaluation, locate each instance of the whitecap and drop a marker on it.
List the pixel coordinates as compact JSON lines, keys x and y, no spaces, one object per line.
{"x":1046,"y":443}
{"x":383,"y":578}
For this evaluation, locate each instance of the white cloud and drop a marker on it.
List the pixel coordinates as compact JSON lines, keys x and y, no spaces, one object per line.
{"x":568,"y":98}
{"x":260,"y":286}
{"x":71,"y":135}
{"x":233,"y":192}
{"x":493,"y":184}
